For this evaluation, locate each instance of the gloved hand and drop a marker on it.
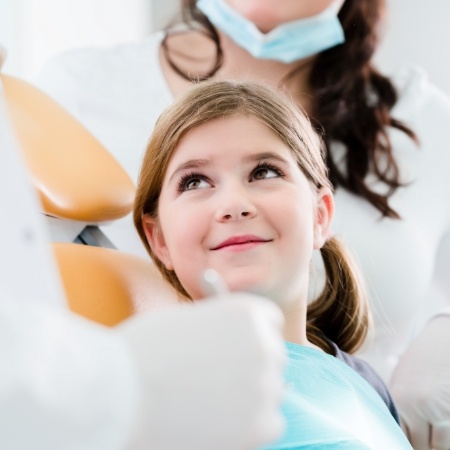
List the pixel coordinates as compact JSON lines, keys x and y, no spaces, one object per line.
{"x":212,"y":374}
{"x":420,"y":387}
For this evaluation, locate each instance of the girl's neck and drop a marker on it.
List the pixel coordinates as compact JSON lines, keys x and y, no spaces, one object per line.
{"x":295,"y":327}
{"x":294,"y":307}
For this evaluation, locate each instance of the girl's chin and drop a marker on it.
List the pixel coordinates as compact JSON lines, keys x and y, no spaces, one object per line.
{"x":231,"y":284}
{"x":250,"y":288}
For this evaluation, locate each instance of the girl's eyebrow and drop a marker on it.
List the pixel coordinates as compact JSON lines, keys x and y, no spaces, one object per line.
{"x":190,"y":164}
{"x":264,"y":155}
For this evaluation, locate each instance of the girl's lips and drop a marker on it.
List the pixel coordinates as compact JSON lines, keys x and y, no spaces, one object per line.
{"x":241,"y":242}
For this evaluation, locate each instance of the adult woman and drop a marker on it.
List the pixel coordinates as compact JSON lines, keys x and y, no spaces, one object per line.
{"x":386,"y":157}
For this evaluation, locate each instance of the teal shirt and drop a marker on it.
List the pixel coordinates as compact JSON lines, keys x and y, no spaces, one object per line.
{"x":328,"y":405}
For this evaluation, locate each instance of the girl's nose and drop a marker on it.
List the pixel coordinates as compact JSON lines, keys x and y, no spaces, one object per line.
{"x":236,"y":215}
{"x":235,"y":205}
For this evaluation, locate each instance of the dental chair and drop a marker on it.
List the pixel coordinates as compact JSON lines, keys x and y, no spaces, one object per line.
{"x":80,"y":186}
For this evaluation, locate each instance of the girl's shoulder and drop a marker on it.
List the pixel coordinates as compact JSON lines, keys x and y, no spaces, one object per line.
{"x":365,"y":370}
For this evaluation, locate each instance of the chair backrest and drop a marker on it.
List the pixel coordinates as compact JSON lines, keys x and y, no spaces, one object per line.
{"x":107,"y":285}
{"x":76,"y":177}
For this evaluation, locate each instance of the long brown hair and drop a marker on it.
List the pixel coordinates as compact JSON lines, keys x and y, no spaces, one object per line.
{"x":341,"y":311}
{"x":351,"y":100}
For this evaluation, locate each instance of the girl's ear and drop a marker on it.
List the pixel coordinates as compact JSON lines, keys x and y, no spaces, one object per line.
{"x":156,"y":241}
{"x":324,"y":216}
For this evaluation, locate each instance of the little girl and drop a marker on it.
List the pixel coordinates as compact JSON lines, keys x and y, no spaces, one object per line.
{"x":234,"y":180}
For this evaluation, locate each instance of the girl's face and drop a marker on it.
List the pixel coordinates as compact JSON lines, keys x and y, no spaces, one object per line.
{"x":267,"y":14}
{"x":234,"y":200}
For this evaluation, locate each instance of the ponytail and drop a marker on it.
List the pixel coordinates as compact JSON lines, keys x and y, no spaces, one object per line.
{"x":341,"y":312}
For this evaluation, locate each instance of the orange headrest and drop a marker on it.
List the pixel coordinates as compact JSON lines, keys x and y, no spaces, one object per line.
{"x":76,"y":177}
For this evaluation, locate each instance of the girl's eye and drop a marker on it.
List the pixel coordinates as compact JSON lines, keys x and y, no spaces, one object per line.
{"x":191,"y":182}
{"x":264,"y":171}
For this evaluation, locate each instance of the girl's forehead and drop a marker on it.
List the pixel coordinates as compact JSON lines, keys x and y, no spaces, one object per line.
{"x":228,"y":134}
{"x":235,"y":137}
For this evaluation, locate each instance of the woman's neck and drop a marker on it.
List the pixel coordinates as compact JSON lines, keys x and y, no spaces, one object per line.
{"x":196,"y":53}
{"x":238,"y":63}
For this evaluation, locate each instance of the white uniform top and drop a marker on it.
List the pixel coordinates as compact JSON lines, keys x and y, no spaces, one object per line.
{"x":118,"y":94}
{"x":64,"y":382}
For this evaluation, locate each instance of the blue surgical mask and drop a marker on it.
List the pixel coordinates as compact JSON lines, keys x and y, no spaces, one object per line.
{"x":287,"y":42}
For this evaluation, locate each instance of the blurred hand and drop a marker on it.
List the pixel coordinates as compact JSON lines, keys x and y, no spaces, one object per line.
{"x":212,"y":374}
{"x":420,"y":387}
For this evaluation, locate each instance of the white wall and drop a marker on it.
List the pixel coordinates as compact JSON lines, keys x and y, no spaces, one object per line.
{"x":418,"y":32}
{"x":33,"y":31}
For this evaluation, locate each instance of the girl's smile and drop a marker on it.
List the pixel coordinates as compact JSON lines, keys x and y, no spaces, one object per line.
{"x":241,"y":243}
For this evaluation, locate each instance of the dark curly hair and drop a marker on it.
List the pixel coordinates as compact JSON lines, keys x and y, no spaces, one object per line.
{"x":351,"y":100}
